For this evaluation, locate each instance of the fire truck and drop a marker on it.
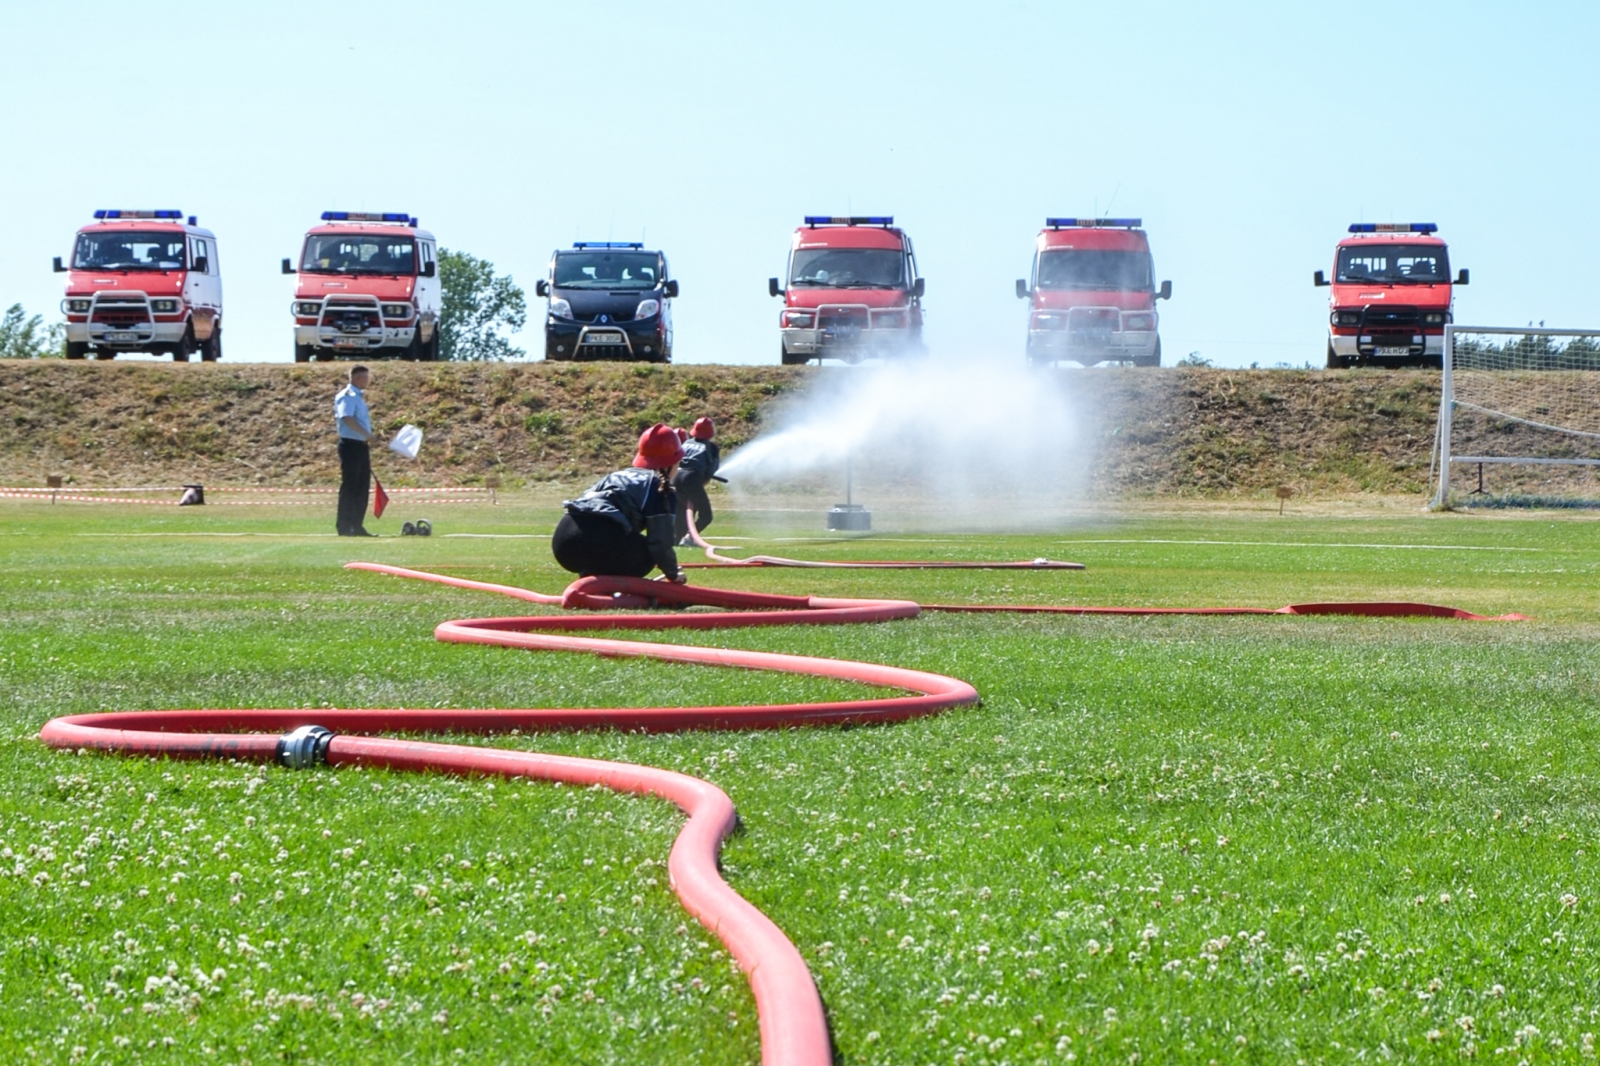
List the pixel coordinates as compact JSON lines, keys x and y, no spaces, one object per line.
{"x":853,"y":291}
{"x":367,"y":286}
{"x":143,"y":281}
{"x":1392,"y":296}
{"x":608,"y":300}
{"x":1093,"y":294}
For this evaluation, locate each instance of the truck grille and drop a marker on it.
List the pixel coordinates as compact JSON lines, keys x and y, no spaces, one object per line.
{"x":350,"y":317}
{"x":118,"y":315}
{"x":844,"y":319}
{"x":1398,"y":318}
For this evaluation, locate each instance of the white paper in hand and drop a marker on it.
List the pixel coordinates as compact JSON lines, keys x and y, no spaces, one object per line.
{"x":407,"y":443}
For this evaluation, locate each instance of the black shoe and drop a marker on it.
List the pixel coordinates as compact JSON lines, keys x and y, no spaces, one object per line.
{"x":363,"y":533}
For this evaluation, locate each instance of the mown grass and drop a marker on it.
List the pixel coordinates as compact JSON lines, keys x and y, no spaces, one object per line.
{"x":1255,"y":839}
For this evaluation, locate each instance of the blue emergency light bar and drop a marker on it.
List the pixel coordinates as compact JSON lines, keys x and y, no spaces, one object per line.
{"x":849,"y":220}
{"x":1091,"y":223}
{"x":109,"y":215}
{"x":607,"y":244}
{"x":1393,"y":227}
{"x":400,"y":217}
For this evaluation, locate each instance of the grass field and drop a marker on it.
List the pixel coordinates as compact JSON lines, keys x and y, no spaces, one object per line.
{"x":1250,"y":839}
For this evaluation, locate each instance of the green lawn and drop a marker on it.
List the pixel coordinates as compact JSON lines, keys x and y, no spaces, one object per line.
{"x":1258,"y":839}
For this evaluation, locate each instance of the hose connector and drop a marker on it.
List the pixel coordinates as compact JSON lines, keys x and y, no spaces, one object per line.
{"x":304,"y":748}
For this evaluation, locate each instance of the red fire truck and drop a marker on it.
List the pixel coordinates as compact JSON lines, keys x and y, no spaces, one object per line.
{"x":1093,"y":295}
{"x":367,"y":286}
{"x":1392,"y":296}
{"x":143,"y":281}
{"x":853,"y":291}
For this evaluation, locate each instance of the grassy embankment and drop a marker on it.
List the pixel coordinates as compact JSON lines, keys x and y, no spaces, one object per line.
{"x":1245,"y":839}
{"x":1187,"y":432}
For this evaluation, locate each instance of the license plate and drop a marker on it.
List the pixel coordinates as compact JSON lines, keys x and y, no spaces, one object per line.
{"x":122,"y":335}
{"x":1393,"y":351}
{"x":349,"y":342}
{"x":602,"y":338}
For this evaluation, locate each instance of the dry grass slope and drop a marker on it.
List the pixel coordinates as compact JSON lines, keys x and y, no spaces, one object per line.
{"x":1198,"y":432}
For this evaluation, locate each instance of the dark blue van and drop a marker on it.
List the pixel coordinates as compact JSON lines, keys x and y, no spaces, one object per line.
{"x":608,"y":300}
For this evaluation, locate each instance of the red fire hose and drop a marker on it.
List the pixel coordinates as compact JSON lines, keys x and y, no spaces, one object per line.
{"x":793,"y":1027}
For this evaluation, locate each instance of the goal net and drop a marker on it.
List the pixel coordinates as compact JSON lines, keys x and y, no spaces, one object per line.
{"x":1519,"y":418}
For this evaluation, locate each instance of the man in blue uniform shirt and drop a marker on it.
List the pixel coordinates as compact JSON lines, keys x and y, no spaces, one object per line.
{"x":355,"y":456}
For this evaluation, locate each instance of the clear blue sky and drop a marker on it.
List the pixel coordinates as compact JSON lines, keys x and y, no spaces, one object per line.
{"x":1247,"y":136}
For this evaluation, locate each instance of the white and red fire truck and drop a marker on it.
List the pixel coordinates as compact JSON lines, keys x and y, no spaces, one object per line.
{"x":1093,"y":295}
{"x":1392,"y":296}
{"x":853,"y":291}
{"x":367,"y":286}
{"x":143,"y":281}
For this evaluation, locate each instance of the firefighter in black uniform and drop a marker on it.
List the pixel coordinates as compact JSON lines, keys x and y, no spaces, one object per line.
{"x":622,"y":527}
{"x":701,"y":457}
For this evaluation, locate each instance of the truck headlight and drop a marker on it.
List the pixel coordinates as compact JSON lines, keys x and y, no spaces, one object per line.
{"x":396,"y":310}
{"x":75,"y":307}
{"x":1138,"y":322}
{"x":307,"y":307}
{"x":1345,"y":318}
{"x":164,"y":307}
{"x":798,"y":319}
{"x":1434,"y":318}
{"x":560,"y":308}
{"x":1048,"y":322}
{"x":889,"y":320}
{"x":647,"y":309}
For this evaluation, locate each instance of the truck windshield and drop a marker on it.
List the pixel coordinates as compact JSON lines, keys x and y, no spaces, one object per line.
{"x":607,"y":270}
{"x":1394,"y":264}
{"x":359,"y":253}
{"x":848,"y":268}
{"x":126,"y":250}
{"x":1093,"y":268}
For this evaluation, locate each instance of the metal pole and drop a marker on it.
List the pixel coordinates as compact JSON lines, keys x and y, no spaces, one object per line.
{"x":847,"y":481}
{"x":1446,"y":409}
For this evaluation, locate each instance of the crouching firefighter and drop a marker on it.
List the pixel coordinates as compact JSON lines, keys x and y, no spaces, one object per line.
{"x":622,"y":527}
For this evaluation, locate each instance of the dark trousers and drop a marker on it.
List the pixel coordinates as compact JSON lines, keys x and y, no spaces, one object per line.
{"x":591,"y":544}
{"x":355,"y":484}
{"x":691,"y":490}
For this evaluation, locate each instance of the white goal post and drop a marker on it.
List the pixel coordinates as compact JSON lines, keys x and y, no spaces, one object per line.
{"x":1521,"y":397}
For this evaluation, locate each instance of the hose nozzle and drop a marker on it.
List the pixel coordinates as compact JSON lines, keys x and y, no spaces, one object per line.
{"x":304,"y":748}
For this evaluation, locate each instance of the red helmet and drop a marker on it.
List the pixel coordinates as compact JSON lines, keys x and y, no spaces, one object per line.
{"x":704,"y":429}
{"x":683,"y":435}
{"x":659,"y":448}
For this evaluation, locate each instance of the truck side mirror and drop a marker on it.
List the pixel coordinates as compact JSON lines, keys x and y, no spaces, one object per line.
{"x":772,"y":287}
{"x":670,"y":289}
{"x":56,"y":264}
{"x":541,"y":287}
{"x":919,"y":287}
{"x":200,"y":265}
{"x":1022,"y":289}
{"x":288,"y":267}
{"x":429,"y":269}
{"x":1461,"y":278}
{"x":1166,"y":291}
{"x":1319,"y":278}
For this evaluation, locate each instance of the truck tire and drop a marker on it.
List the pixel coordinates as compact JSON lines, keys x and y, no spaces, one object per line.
{"x":185,"y":347}
{"x":211,"y":350}
{"x":412,"y":352}
{"x":430,"y":351}
{"x":302,"y":353}
{"x":791,"y":360}
{"x":77,"y":349}
{"x":1336,"y":362}
{"x":104,"y":353}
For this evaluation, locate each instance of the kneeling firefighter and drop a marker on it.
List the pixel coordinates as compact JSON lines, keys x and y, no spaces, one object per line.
{"x":701,"y":457}
{"x":622,"y":527}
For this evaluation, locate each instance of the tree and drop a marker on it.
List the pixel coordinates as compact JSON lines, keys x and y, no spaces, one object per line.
{"x":477,"y":309}
{"x":22,"y":337}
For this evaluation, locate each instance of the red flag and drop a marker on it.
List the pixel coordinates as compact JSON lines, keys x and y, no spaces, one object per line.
{"x":380,"y":499}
